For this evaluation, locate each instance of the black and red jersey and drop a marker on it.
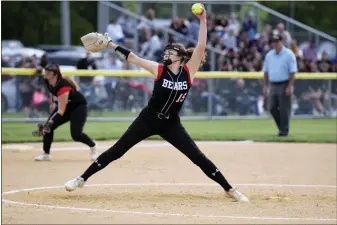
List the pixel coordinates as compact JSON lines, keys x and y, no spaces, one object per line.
{"x":62,"y":86}
{"x":170,"y":90}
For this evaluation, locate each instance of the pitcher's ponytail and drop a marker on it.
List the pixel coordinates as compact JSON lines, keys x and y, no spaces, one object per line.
{"x":188,"y":55}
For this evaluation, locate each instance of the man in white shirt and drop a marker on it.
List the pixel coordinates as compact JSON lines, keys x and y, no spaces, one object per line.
{"x":230,"y":40}
{"x":284,"y":33}
{"x":115,"y":32}
{"x":150,"y":47}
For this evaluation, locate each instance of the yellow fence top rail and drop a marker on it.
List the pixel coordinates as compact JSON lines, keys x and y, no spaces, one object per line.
{"x":136,"y":73}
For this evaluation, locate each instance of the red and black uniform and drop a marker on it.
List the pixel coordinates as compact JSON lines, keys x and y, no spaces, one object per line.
{"x":63,"y":86}
{"x":76,"y":113}
{"x":160,"y":117}
{"x":170,"y":91}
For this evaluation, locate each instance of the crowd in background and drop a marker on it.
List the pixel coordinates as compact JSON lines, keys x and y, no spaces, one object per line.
{"x":244,"y":50}
{"x":243,"y":47}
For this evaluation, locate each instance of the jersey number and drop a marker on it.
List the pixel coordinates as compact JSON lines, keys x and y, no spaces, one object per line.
{"x":181,"y":97}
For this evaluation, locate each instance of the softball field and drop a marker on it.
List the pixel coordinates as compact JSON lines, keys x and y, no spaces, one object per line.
{"x":154,"y":183}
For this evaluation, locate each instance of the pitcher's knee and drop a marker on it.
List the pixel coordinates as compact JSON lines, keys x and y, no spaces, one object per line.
{"x":76,"y":136}
{"x":114,"y":153}
{"x":199,"y":159}
{"x":273,"y":110}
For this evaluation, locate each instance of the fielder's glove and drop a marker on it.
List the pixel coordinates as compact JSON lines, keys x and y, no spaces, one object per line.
{"x":39,"y":131}
{"x":42,"y":129}
{"x":95,"y":42}
{"x":46,"y":128}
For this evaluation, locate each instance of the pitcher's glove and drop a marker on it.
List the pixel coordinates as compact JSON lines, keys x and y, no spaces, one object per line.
{"x":42,"y":129}
{"x":95,"y":42}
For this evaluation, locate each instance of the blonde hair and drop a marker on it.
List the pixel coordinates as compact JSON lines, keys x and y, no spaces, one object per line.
{"x":72,"y":83}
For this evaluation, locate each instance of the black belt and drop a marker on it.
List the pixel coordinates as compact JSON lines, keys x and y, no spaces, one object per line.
{"x":163,"y":116}
{"x":280,"y":82}
{"x":160,"y":115}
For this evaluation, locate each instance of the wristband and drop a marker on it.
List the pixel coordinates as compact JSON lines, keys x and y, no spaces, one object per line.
{"x":123,"y":52}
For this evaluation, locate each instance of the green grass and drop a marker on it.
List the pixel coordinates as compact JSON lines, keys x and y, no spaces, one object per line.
{"x":92,"y":113}
{"x":302,"y":130}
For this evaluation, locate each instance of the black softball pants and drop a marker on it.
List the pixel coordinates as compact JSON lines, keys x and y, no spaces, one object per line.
{"x":77,"y":118}
{"x":148,"y":124}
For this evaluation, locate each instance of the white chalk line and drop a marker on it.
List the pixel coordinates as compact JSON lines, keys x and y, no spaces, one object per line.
{"x":158,"y":213}
{"x":29,"y":147}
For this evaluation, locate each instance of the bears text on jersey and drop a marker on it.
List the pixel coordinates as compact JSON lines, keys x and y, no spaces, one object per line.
{"x":179,"y":86}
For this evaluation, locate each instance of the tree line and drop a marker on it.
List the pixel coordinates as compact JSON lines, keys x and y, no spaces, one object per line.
{"x":39,"y":22}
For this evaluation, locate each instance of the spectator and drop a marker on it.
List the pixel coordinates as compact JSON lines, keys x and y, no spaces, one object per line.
{"x":193,"y":28}
{"x":243,"y":38}
{"x":234,"y":23}
{"x":179,"y":26}
{"x":301,"y":65}
{"x":85,"y":64}
{"x":295,"y":49}
{"x":40,"y":101}
{"x":214,"y":40}
{"x":249,"y":26}
{"x":26,"y":94}
{"x":313,"y":67}
{"x":27,"y":87}
{"x":324,"y":66}
{"x":284,"y":33}
{"x":245,"y":101}
{"x":144,"y":27}
{"x":115,"y":32}
{"x":310,"y":51}
{"x":268,"y":33}
{"x":128,"y":24}
{"x":176,"y":25}
{"x":262,"y":41}
{"x":112,"y":63}
{"x":210,"y":26}
{"x":242,"y":46}
{"x":325,"y":57}
{"x":44,"y":60}
{"x":221,"y":26}
{"x":334,"y":68}
{"x":230,"y":40}
{"x":266,"y":50}
{"x":150,"y":47}
{"x":151,"y":14}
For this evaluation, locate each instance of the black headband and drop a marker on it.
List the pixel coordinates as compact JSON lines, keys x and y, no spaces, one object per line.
{"x":52,"y":67}
{"x":180,"y":51}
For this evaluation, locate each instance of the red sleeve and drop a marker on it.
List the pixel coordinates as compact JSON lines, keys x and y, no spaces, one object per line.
{"x":188,"y":75}
{"x":63,"y":90}
{"x":160,"y":72}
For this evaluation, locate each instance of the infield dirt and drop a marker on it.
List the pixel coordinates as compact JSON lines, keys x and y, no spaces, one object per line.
{"x":246,"y":164}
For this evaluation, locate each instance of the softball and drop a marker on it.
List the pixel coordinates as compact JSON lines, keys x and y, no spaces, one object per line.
{"x":197,"y":9}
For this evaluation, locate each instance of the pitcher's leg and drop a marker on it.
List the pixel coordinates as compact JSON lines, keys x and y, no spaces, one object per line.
{"x":179,"y":138}
{"x":138,"y":131}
